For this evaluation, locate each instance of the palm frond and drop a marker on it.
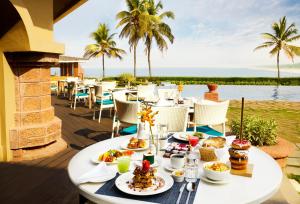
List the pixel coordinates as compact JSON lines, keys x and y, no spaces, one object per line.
{"x":168,"y":14}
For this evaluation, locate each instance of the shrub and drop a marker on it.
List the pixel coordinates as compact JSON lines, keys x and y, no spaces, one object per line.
{"x":126,"y":78}
{"x":258,"y":131}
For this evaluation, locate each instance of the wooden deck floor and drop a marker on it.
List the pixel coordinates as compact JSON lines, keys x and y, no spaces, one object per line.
{"x":46,"y":180}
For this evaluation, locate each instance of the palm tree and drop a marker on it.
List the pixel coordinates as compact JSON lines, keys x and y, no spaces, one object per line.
{"x":157,"y":29}
{"x":104,"y":46}
{"x":134,"y":23}
{"x":281,"y":38}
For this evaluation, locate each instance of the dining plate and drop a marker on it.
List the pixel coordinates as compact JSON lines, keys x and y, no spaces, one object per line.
{"x":124,"y":180}
{"x":95,"y":160}
{"x":205,"y":179}
{"x":124,"y":146}
{"x":168,"y":167}
{"x":182,"y":135}
{"x":95,"y":157}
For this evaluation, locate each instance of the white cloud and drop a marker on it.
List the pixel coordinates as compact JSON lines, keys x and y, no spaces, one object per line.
{"x":214,"y":33}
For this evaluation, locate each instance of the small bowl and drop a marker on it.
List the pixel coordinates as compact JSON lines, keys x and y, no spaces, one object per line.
{"x":216,"y":175}
{"x":176,"y":177}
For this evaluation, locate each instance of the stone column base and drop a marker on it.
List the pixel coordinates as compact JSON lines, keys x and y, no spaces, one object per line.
{"x":212,"y":96}
{"x":39,"y":152}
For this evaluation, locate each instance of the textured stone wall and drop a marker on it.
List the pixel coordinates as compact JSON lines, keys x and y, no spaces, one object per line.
{"x":35,"y":123}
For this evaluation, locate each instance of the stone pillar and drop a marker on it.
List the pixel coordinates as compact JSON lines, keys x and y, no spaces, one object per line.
{"x":37,"y":131}
{"x":212,"y":94}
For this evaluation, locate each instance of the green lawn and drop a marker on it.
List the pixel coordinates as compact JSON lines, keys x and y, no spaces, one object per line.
{"x":286,"y":114}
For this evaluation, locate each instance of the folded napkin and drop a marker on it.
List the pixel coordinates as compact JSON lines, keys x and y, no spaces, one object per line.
{"x":100,"y":173}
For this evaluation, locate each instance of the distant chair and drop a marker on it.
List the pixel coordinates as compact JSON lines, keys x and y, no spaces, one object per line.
{"x":167,"y":93}
{"x":146,"y":91}
{"x":76,"y":95}
{"x":126,"y":112}
{"x":103,"y":100}
{"x":175,"y":117}
{"x":210,"y":113}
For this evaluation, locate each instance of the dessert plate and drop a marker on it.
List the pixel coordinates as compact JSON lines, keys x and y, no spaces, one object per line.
{"x":182,"y":135}
{"x":124,"y":146}
{"x":123,"y":183}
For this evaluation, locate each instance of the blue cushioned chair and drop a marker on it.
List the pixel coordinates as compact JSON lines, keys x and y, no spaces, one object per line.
{"x":76,"y":95}
{"x":103,"y":100}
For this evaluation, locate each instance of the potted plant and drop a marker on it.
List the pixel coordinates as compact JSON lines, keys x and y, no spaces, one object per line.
{"x":263,"y":134}
{"x":212,"y":87}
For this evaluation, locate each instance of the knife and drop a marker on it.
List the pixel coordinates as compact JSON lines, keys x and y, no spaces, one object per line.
{"x":180,"y":193}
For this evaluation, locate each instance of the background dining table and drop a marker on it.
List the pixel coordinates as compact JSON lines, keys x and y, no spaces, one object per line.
{"x":265,"y":181}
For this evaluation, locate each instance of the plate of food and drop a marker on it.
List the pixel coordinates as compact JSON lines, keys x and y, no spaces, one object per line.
{"x":111,"y":156}
{"x":184,"y":136}
{"x":144,"y":181}
{"x":135,"y":144}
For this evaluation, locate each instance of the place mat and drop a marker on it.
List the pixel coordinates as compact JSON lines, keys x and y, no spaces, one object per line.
{"x":168,"y":197}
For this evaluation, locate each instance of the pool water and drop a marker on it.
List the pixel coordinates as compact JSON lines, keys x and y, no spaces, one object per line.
{"x":286,"y":93}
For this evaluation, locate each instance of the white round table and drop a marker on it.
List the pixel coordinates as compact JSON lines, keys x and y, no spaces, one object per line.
{"x":261,"y":186}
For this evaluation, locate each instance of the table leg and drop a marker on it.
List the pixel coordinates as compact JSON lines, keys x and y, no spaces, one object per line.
{"x":82,"y":199}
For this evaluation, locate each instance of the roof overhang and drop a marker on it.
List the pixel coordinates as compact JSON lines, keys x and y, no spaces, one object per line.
{"x":62,"y":8}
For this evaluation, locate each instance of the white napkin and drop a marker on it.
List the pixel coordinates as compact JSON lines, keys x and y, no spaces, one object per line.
{"x":100,"y":173}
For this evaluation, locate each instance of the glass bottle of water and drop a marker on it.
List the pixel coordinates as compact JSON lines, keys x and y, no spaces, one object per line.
{"x":191,"y":165}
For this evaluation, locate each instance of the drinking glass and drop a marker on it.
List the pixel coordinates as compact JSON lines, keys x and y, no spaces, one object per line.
{"x":193,"y":140}
{"x":162,"y":135}
{"x":191,"y":166}
{"x":123,"y":164}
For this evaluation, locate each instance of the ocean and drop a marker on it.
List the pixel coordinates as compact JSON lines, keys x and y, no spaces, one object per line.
{"x":197,"y":72}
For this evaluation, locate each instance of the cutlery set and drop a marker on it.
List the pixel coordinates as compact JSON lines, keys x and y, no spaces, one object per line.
{"x":190,"y":187}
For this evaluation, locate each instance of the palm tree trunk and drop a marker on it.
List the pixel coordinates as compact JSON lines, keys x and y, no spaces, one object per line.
{"x":134,"y":60}
{"x":278,"y":72}
{"x":103,"y":70}
{"x":149,"y":62}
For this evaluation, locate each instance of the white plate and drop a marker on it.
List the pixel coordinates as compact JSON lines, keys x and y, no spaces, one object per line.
{"x":124,"y":146}
{"x":182,"y":135}
{"x":204,"y":178}
{"x":95,"y":160}
{"x":122,"y":184}
{"x":168,"y":167}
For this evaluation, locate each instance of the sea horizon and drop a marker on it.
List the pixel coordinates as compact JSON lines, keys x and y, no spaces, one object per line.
{"x":196,"y":72}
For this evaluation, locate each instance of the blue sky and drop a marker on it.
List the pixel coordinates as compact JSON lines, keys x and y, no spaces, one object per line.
{"x":208,"y":33}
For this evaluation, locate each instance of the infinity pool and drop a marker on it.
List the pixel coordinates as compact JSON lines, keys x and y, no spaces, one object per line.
{"x":287,"y":93}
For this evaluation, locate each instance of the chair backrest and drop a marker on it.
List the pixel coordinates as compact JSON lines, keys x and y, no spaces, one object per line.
{"x":109,"y":85}
{"x":98,"y":91}
{"x":146,"y":91}
{"x":167,"y":93}
{"x":120,"y":95}
{"x":127,"y":111}
{"x":210,"y":113}
{"x":175,"y":117}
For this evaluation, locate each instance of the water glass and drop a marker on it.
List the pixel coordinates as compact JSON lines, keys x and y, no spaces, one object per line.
{"x":123,"y":164}
{"x":191,"y":166}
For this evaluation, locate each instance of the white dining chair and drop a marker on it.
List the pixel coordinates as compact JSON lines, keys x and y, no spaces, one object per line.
{"x":210,"y":113}
{"x":76,"y":94}
{"x":126,"y":113}
{"x":175,"y":117}
{"x":167,"y":93}
{"x":103,"y":100}
{"x":146,"y":91}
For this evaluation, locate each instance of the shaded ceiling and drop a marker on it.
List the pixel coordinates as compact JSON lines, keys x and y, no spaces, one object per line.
{"x":61,"y":6}
{"x":8,"y":16}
